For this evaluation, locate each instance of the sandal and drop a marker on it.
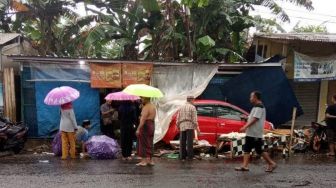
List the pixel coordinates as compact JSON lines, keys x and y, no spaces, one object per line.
{"x":330,"y":155}
{"x":242,"y":169}
{"x":271,"y":168}
{"x":129,"y":158}
{"x":141,"y":164}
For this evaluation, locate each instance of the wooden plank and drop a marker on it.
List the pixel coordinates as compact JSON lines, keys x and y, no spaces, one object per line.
{"x":9,"y":94}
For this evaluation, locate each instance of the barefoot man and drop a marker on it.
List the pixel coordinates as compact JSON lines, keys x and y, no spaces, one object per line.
{"x":254,"y":129}
{"x":145,"y":133}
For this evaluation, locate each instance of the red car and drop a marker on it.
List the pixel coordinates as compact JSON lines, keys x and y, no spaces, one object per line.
{"x":214,"y":118}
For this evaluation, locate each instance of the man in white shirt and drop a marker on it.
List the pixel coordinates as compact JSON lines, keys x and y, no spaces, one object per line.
{"x":254,"y":129}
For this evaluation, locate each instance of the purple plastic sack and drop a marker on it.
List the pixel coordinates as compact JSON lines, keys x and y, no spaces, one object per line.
{"x":57,"y":144}
{"x":103,"y":147}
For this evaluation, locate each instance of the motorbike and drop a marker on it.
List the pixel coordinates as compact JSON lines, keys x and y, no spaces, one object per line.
{"x":318,"y":141}
{"x":13,"y":136}
{"x":300,"y":143}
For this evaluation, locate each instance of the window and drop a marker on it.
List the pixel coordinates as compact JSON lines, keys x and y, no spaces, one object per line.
{"x":262,"y":51}
{"x":228,"y":113}
{"x":205,"y":111}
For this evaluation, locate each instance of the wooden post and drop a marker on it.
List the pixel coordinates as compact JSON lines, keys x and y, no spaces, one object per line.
{"x":292,"y":130}
{"x":9,"y":94}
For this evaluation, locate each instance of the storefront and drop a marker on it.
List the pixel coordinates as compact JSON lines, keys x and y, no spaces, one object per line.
{"x":310,"y":67}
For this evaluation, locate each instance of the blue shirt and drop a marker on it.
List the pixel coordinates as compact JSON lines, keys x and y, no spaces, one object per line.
{"x":82,"y":135}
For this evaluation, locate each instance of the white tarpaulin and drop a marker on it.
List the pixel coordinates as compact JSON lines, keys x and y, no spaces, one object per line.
{"x":178,"y":82}
{"x":309,"y":68}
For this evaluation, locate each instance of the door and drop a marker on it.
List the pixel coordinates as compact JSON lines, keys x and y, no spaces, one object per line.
{"x":307,"y":93}
{"x":207,"y":123}
{"x":229,"y":120}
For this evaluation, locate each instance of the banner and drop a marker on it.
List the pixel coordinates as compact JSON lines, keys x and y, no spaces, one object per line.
{"x":136,"y":74}
{"x":307,"y":68}
{"x":105,"y":75}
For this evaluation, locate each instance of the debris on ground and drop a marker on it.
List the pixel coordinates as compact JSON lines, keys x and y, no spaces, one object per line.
{"x":43,"y":161}
{"x":40,"y":149}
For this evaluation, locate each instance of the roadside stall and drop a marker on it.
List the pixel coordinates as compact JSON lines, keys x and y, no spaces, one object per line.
{"x":236,"y":141}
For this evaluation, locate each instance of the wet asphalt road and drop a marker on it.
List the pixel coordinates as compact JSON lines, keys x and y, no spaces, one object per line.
{"x":32,"y":171}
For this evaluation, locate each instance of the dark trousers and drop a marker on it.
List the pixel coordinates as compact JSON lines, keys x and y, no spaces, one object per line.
{"x":127,"y":132}
{"x":186,"y":144}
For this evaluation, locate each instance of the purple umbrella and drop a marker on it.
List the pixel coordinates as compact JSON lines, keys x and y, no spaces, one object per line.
{"x":57,"y":145}
{"x":102,"y":147}
{"x":121,"y":96}
{"x":61,"y":95}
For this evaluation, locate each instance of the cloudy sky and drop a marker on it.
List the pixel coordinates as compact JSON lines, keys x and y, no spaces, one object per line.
{"x":324,"y":13}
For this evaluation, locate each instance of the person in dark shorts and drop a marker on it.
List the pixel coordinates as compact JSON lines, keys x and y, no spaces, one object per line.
{"x":331,"y":126}
{"x":254,"y":129}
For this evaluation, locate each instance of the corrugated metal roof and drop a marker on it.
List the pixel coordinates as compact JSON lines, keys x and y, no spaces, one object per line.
{"x":6,"y":37}
{"x":53,"y":59}
{"x":312,"y":37}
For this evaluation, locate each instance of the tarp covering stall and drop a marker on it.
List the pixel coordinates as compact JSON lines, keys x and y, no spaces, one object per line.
{"x":178,"y":82}
{"x":48,"y":76}
{"x":278,"y":96}
{"x":85,"y":107}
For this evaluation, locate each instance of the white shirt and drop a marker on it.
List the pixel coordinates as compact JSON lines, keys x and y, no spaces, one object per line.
{"x":68,"y":121}
{"x":256,"y":130}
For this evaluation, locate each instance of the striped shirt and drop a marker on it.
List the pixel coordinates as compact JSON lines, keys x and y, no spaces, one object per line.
{"x":187,"y":117}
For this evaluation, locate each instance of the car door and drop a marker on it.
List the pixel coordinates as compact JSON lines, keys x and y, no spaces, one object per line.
{"x":207,"y":123}
{"x":228,"y":119}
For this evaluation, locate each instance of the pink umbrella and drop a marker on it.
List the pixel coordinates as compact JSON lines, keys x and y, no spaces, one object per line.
{"x":121,"y":96}
{"x":61,"y":95}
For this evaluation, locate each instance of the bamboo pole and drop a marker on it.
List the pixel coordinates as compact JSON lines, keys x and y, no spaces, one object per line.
{"x":292,"y":130}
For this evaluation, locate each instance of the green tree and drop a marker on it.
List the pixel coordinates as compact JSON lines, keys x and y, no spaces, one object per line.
{"x":165,"y":30}
{"x":43,"y":22}
{"x":310,"y":29}
{"x":4,"y":19}
{"x":227,"y":22}
{"x":120,"y":25}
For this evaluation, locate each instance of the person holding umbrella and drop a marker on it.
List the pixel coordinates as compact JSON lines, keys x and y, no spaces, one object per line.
{"x":145,"y":132}
{"x":128,"y":118}
{"x":64,"y":96}
{"x":68,"y":127}
{"x":146,"y":128}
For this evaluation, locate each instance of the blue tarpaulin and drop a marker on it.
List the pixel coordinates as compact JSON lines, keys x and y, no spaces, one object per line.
{"x":278,"y":96}
{"x":85,"y":107}
{"x":60,"y":72}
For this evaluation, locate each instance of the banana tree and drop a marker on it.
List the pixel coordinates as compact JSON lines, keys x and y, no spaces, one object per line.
{"x":40,"y":22}
{"x":227,"y":21}
{"x":4,"y":19}
{"x":119,"y":27}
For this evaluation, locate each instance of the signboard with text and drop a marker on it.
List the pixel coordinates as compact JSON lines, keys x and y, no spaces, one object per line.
{"x":136,"y":74}
{"x":307,"y":68}
{"x":105,"y":75}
